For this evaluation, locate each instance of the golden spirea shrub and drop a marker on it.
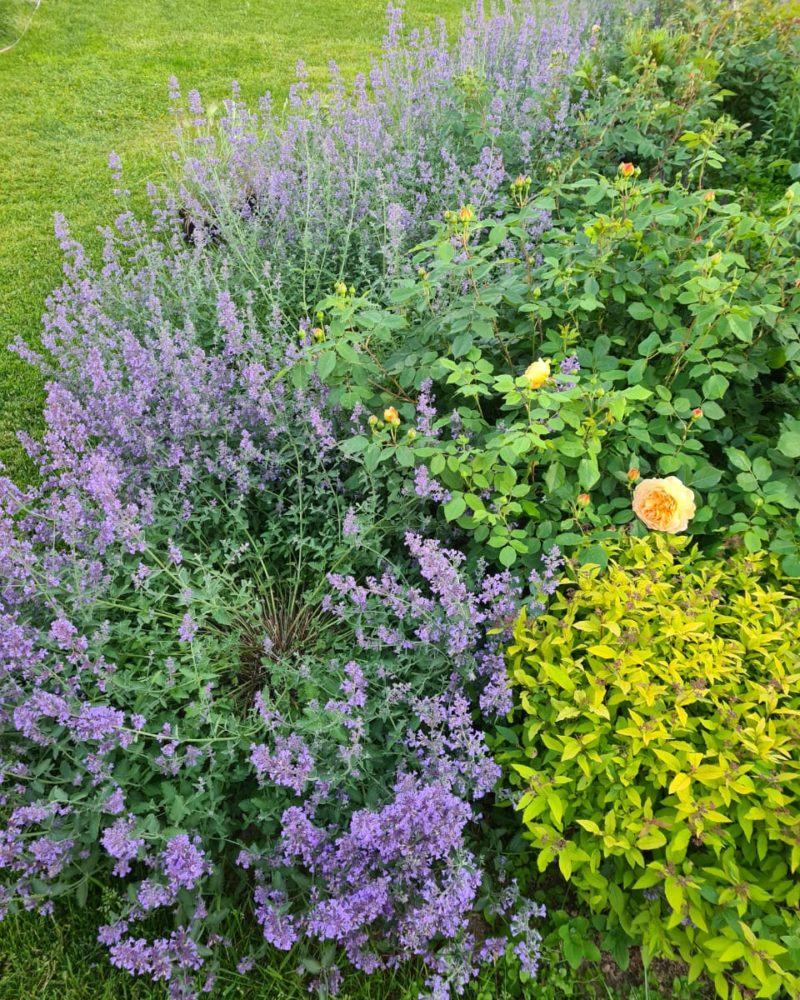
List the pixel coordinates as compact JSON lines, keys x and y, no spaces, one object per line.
{"x":657,"y":755}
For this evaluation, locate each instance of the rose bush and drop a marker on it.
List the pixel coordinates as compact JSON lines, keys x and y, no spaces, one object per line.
{"x":544,"y":352}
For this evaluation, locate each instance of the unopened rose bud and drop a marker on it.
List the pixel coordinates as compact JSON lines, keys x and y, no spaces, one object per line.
{"x":411,"y":434}
{"x":595,"y":29}
{"x":373,"y":420}
{"x":633,"y":474}
{"x":626,"y":169}
{"x":466,"y":214}
{"x":584,"y":499}
{"x":391,"y":416}
{"x":318,"y":334}
{"x":697,"y":413}
{"x":709,"y":196}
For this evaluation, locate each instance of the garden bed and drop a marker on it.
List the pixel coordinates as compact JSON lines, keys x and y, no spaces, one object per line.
{"x":410,"y":583}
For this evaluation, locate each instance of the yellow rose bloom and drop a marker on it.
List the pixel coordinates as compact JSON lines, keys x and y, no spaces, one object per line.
{"x":391,"y":416}
{"x":664,"y":504}
{"x":537,"y":373}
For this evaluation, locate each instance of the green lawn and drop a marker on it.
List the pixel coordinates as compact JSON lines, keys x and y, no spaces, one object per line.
{"x":89,"y":77}
{"x":57,"y":960}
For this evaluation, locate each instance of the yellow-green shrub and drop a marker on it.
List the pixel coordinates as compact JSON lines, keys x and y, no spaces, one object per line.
{"x":658,"y":755}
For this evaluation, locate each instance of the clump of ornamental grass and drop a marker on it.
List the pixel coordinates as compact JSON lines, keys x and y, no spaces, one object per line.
{"x":284,"y":624}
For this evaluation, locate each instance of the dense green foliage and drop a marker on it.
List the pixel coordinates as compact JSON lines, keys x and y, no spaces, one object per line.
{"x":703,"y":75}
{"x":658,"y":715}
{"x":681,"y":308}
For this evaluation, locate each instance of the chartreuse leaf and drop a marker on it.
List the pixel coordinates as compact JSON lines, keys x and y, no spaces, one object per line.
{"x":658,"y":812}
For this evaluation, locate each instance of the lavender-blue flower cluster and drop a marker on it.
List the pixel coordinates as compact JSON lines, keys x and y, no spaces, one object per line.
{"x":358,"y":174}
{"x":188,"y":442}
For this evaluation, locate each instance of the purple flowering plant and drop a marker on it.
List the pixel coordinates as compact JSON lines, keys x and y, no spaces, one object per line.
{"x":205,"y":593}
{"x":206,"y":722}
{"x":392,"y":771}
{"x":345,"y":181}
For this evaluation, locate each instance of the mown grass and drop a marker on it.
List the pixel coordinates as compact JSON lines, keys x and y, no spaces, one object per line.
{"x":91,"y":77}
{"x":59,"y":959}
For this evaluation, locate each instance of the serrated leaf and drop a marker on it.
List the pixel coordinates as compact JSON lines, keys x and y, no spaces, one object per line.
{"x":679,"y":784}
{"x":638,"y":310}
{"x":761,"y":469}
{"x":789,"y":444}
{"x":326,"y":364}
{"x":455,"y":507}
{"x":508,"y":556}
{"x":715,"y":387}
{"x":588,"y":472}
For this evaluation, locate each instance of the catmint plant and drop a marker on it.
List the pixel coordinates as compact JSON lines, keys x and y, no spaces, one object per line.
{"x":240,"y":669}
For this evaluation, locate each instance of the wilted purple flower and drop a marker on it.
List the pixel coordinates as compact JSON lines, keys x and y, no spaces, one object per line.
{"x":245,"y":965}
{"x":528,"y":948}
{"x":350,"y":524}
